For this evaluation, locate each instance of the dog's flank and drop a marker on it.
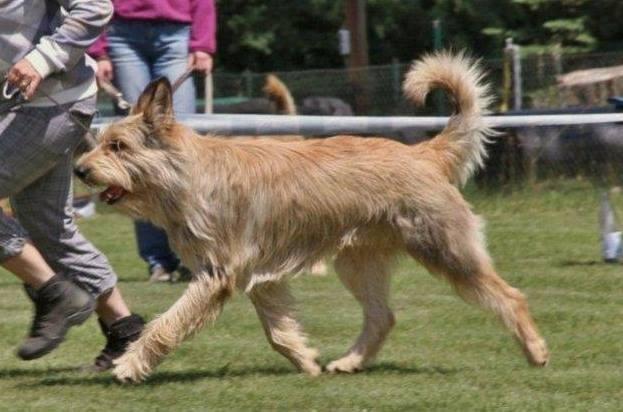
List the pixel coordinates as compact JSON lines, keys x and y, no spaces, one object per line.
{"x":260,"y":210}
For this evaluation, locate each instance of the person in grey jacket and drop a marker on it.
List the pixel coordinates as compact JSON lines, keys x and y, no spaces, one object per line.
{"x":48,"y":99}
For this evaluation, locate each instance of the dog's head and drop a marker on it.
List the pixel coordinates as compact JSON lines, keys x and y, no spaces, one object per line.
{"x":138,"y":157}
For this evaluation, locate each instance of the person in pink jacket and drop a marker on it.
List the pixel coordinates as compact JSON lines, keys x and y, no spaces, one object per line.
{"x":147,"y":39}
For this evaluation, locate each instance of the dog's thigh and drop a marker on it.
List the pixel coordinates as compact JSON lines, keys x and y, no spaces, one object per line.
{"x":275,"y":307}
{"x":456,"y":251}
{"x":366,"y":274}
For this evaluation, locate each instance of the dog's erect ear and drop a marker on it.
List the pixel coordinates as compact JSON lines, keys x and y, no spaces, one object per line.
{"x":156,"y":102}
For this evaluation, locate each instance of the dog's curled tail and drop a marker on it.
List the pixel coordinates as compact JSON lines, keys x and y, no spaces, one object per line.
{"x":464,"y":138}
{"x":280,"y":95}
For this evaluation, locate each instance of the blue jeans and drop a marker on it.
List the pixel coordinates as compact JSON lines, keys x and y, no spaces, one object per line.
{"x":140,"y":52}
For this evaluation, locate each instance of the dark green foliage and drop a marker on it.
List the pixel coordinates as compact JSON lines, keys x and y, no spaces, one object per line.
{"x":262,"y":35}
{"x":272,"y":35}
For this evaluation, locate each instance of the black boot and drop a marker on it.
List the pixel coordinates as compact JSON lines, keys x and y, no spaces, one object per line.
{"x":118,"y":336}
{"x":59,"y":305}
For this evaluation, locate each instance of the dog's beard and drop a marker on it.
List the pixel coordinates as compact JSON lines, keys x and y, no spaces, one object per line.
{"x":112,"y":194}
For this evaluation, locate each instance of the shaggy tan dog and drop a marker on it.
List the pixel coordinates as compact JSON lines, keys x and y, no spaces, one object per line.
{"x":246,"y":214}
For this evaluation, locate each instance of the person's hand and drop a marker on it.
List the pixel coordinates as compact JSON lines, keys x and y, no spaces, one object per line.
{"x":104,"y":70}
{"x":200,"y":61}
{"x":24,"y":77}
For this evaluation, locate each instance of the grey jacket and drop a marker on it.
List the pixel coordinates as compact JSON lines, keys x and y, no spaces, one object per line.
{"x":53,"y":36}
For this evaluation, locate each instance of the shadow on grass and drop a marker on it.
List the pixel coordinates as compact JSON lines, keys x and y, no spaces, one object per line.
{"x":571,"y":263}
{"x":37,"y":373}
{"x":393,"y":368}
{"x":163,"y":378}
{"x":159,"y":378}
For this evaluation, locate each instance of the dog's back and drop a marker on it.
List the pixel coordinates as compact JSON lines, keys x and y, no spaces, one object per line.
{"x":455,"y":153}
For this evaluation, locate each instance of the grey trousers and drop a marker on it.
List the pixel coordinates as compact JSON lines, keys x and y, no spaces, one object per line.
{"x":36,"y":153}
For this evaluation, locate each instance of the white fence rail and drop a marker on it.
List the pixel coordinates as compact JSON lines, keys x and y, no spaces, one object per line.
{"x":230,"y":124}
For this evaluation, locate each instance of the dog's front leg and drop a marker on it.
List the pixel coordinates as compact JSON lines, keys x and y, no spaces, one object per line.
{"x":202,"y":302}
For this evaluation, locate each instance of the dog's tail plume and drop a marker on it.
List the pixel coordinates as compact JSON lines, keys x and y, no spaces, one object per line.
{"x":280,"y":95}
{"x":464,"y":138}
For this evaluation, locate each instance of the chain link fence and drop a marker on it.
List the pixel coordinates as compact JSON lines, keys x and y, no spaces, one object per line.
{"x":376,"y":90}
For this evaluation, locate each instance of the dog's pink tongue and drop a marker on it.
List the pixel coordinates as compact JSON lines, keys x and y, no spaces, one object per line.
{"x":112,"y":194}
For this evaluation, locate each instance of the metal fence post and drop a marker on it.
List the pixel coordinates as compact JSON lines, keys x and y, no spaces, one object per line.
{"x":437,"y":35}
{"x":557,"y":61}
{"x":512,"y":76}
{"x":248,"y":82}
{"x":396,"y":80}
{"x":437,"y":45}
{"x":208,"y":94}
{"x":507,"y":76}
{"x":517,"y":78}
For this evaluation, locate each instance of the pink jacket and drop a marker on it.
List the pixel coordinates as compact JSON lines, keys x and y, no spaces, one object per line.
{"x":200,"y":14}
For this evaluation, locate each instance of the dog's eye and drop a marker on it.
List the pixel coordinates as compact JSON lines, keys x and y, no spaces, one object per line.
{"x":116,"y":145}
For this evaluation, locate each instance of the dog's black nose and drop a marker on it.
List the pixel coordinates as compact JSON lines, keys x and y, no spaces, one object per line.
{"x":81,"y":171}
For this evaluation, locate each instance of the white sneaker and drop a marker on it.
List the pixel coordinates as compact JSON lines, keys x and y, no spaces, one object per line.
{"x":159,"y":274}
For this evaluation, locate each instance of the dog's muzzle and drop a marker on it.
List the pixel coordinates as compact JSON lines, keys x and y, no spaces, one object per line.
{"x":82,"y":172}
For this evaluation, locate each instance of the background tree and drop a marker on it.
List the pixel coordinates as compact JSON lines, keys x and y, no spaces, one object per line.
{"x":265,"y":35}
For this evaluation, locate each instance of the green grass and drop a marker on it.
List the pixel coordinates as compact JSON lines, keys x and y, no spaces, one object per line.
{"x":442,"y":355}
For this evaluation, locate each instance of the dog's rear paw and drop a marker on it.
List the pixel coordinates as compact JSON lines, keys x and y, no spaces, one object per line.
{"x":312,"y":368}
{"x":537,"y":353}
{"x":347,"y":364}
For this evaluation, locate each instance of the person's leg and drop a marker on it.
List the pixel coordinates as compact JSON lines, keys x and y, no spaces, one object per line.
{"x":169,"y":57}
{"x":59,"y":303}
{"x":131,"y":65}
{"x":29,"y":266}
{"x":19,"y":167}
{"x":119,"y":332}
{"x":171,"y":61}
{"x":45,"y":210}
{"x":111,"y":307}
{"x":153,"y":247}
{"x":130,"y":50}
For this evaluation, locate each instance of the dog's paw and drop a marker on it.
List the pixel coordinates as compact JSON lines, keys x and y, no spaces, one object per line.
{"x":311,"y":368}
{"x":537,"y":353}
{"x":347,"y":364}
{"x":129,"y":369}
{"x":319,"y":268}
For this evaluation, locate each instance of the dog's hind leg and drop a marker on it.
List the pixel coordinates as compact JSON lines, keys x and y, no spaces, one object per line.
{"x":366,"y":274}
{"x":274,"y":305}
{"x":202,"y":302}
{"x":456,"y":251}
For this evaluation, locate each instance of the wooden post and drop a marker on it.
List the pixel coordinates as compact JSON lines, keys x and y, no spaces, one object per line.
{"x":356,"y":25}
{"x":517,"y":78}
{"x":208,"y":94}
{"x":507,"y":77}
{"x":557,"y":57}
{"x":358,"y":59}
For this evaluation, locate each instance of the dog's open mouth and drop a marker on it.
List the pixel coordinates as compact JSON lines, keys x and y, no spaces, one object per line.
{"x":112,"y":194}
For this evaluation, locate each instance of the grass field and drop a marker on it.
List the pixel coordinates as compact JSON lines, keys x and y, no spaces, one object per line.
{"x":442,"y":355}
